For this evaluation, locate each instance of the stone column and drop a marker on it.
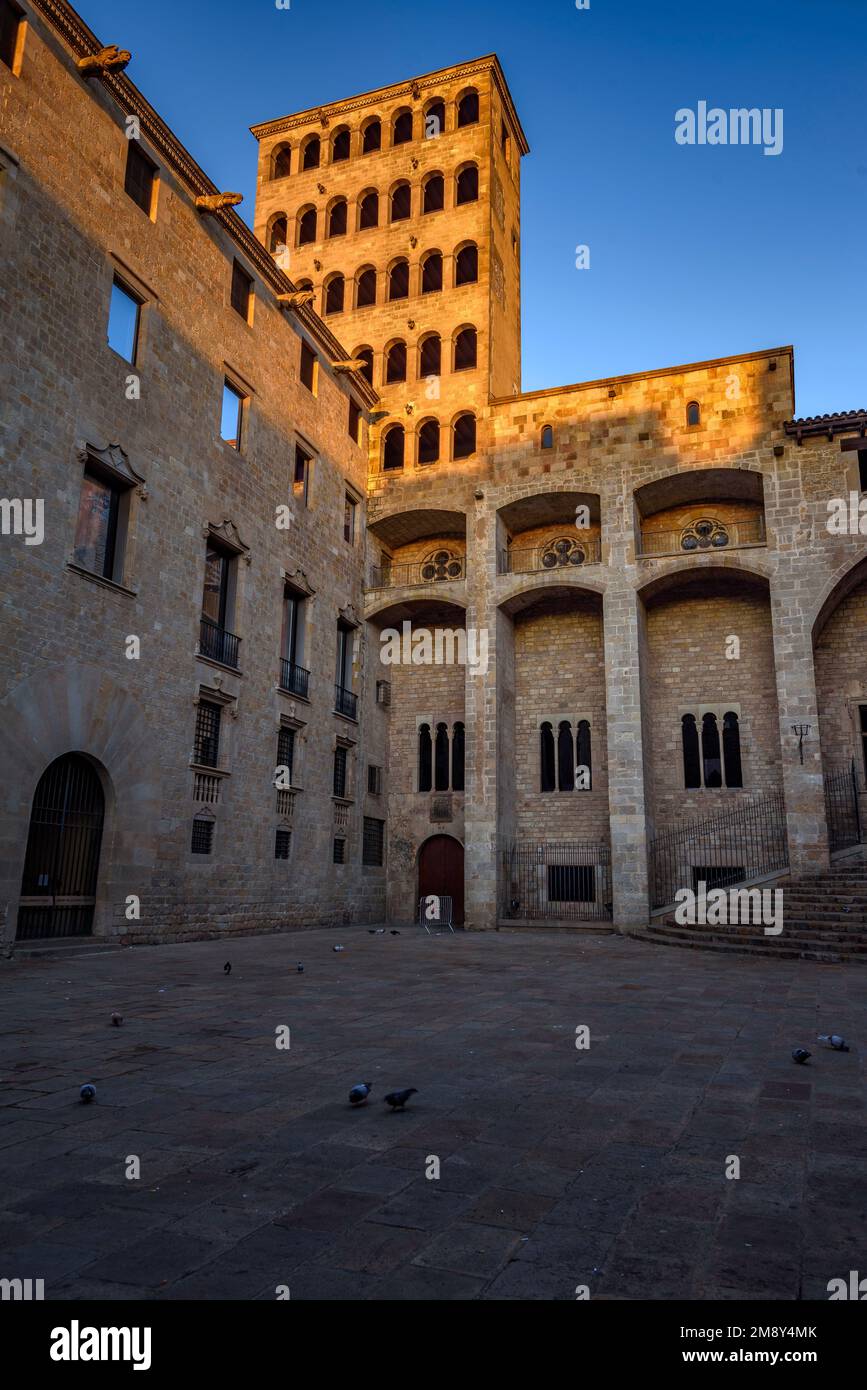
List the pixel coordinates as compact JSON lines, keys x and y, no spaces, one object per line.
{"x":803,"y":786}
{"x":627,"y":798}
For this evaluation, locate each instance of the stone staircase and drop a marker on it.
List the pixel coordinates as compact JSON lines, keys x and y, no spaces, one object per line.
{"x":824,"y":919}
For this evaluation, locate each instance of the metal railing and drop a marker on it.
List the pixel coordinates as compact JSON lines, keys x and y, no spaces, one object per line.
{"x":294,"y":678}
{"x":218,"y":644}
{"x":732,"y":847}
{"x":529,"y":559}
{"x":418,"y":575}
{"x":842,"y":809}
{"x":726,"y":535}
{"x":553,"y":881}
{"x":345,"y":702}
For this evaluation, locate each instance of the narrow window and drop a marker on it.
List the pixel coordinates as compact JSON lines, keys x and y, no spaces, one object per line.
{"x":435,"y":120}
{"x":467,"y":265}
{"x":366,"y":293}
{"x":583,"y":752}
{"x":337,"y":218}
{"x":282,"y":843}
{"x":123,"y":321}
{"x":312,"y":153}
{"x":565,"y":757}
{"x":401,"y":203}
{"x":466,"y":350}
{"x":458,"y":758}
{"x":202,"y":839}
{"x":339,"y":852}
{"x":307,"y":227}
{"x":441,"y":759}
{"x":374,"y":780}
{"x":345,"y":700}
{"x":431,"y":356}
{"x":339,"y":781}
{"x":693,"y":413}
{"x":293,"y":677}
{"x":434,"y":194}
{"x":425,"y":759}
{"x":371,"y":140}
{"x":334,"y":295}
{"x":286,"y":751}
{"x":215,"y":640}
{"x":732,"y":750}
{"x":432,"y":273}
{"x":395,"y":364}
{"x":398,"y":281}
{"x":308,"y":367}
{"x":354,"y":423}
{"x":206,"y":748}
{"x":96,"y":532}
{"x":242,"y":291}
{"x":349,"y":510}
{"x":465,"y":437}
{"x":282,"y":162}
{"x":429,"y":442}
{"x":140,"y":177}
{"x":368,"y":214}
{"x":402,"y":129}
{"x":547,"y":780}
{"x":301,"y":474}
{"x":710,"y":751}
{"x":232,"y":415}
{"x":468,"y":109}
{"x":691,"y":758}
{"x":862,"y":469}
{"x":392,"y":454}
{"x":505,"y":142}
{"x":10,"y":25}
{"x":340,"y":147}
{"x":373,"y":843}
{"x":366,"y":355}
{"x":278,"y":236}
{"x":547,"y":437}
{"x":468,"y":185}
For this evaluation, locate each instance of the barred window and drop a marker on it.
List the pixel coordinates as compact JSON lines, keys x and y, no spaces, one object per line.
{"x":339,"y":855}
{"x":203,"y":836}
{"x":282,"y":841}
{"x":286,"y":749}
{"x":207,"y":743}
{"x":374,"y":780}
{"x":373,"y":844}
{"x":340,"y":759}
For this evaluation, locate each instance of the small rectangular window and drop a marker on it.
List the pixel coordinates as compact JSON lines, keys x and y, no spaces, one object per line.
{"x":206,"y":748}
{"x":354,"y":421}
{"x":308,"y":367}
{"x":232,"y":417}
{"x":282,"y":842}
{"x":96,"y":533}
{"x":862,"y":469}
{"x":242,"y":291}
{"x":301,"y":475}
{"x":140,"y":177}
{"x":10,"y":27}
{"x":571,"y":883}
{"x":286,"y":750}
{"x":203,"y":836}
{"x":340,"y":764}
{"x":339,"y":855}
{"x":123,"y":321}
{"x":349,"y":509}
{"x":374,"y":780}
{"x":372,"y":852}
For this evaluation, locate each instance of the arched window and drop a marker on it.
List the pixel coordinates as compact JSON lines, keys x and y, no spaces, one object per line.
{"x":304,"y":284}
{"x":434,"y":120}
{"x":281,"y":162}
{"x":565,"y":757}
{"x":429,"y":442}
{"x":548,"y":779}
{"x":366,"y":355}
{"x":710,"y":752}
{"x":466,"y":350}
{"x":392,"y":454}
{"x":458,"y":758}
{"x":430,"y":359}
{"x":368,"y":211}
{"x":340,"y":146}
{"x":468,"y":109}
{"x":402,"y":129}
{"x":732,"y":750}
{"x":312,"y":153}
{"x":464,"y":436}
{"x":467,"y":188}
{"x":398,"y":280}
{"x":584,"y":753}
{"x":441,"y":759}
{"x":371,"y":138}
{"x":307,"y":227}
{"x":425,"y":758}
{"x":335,"y":292}
{"x":337,"y":218}
{"x":691,"y":758}
{"x":395,"y":363}
{"x":467,"y":265}
{"x":432,"y":273}
{"x":547,"y":436}
{"x":693,"y":413}
{"x":366,"y":288}
{"x":434,"y":198}
{"x":278,"y":234}
{"x":401,"y":202}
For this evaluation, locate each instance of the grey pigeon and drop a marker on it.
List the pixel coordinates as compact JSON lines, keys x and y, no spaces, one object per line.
{"x":398,"y":1099}
{"x":801,"y":1054}
{"x":839,"y":1044}
{"x":87,"y":1094}
{"x":358,"y":1095}
{"x":337,"y":948}
{"x":300,"y":968}
{"x":395,"y":933}
{"x":227,"y":968}
{"x":117,"y":1020}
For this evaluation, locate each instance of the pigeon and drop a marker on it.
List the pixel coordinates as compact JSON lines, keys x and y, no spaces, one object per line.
{"x":395,"y":933}
{"x":839,"y":1044}
{"x":358,"y":1095}
{"x":87,"y":1094}
{"x":337,"y":948}
{"x":227,"y":968}
{"x":300,"y":968}
{"x":398,"y":1099}
{"x":801,"y":1054}
{"x":117,"y":1020}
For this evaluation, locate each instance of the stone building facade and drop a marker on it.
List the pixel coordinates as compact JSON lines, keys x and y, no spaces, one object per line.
{"x":674,"y":673}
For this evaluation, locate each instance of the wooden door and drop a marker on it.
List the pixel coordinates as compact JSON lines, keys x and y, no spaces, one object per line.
{"x":441,"y":871}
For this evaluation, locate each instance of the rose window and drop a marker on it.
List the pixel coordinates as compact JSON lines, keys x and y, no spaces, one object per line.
{"x":441,"y":565}
{"x":563,"y":552}
{"x":704,"y":535}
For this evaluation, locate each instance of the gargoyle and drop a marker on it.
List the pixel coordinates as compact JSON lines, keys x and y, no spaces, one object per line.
{"x":215,"y":202}
{"x":351,"y":364}
{"x":109,"y":59}
{"x":296,"y":299}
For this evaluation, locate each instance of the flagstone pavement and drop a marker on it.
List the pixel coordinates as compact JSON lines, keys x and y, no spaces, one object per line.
{"x":559,"y":1167}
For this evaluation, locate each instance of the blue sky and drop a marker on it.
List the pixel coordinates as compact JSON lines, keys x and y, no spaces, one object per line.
{"x":695,"y":252}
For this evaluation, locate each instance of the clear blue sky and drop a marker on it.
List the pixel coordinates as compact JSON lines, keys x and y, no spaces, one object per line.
{"x":695,"y":252}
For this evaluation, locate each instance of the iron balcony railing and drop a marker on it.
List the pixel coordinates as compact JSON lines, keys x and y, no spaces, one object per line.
{"x":735,"y":846}
{"x":435,"y":571}
{"x":218,"y":644}
{"x":842,"y":809}
{"x":553,"y":881}
{"x":704,"y":536}
{"x":345,"y":702}
{"x":294,"y":679}
{"x":564,"y":554}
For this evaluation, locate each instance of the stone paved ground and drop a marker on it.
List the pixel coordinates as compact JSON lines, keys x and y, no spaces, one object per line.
{"x":559,"y":1167}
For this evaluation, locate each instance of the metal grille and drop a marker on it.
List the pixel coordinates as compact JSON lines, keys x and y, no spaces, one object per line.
{"x":282,"y":842}
{"x":345,"y":702}
{"x":286,"y":749}
{"x":294,"y":679}
{"x":339,"y":852}
{"x":339,"y":786}
{"x":841,"y":808}
{"x":207,"y":745}
{"x":203,"y":836}
{"x":374,"y":842}
{"x":732,"y":847}
{"x":61,"y":863}
{"x":555,"y":881}
{"x":218,"y":644}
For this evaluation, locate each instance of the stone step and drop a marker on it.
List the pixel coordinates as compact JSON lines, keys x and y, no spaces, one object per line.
{"x":756,"y":947}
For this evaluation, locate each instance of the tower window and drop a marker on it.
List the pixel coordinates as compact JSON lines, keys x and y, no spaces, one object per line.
{"x":371,"y":139}
{"x":547,"y":436}
{"x":395,"y":364}
{"x":392,"y":454}
{"x":434,"y":194}
{"x":337,"y":218}
{"x":307,"y":227}
{"x":278,"y":235}
{"x":340,"y":147}
{"x":466,"y":350}
{"x":435,"y":120}
{"x":312,"y":153}
{"x":402,"y":129}
{"x":468,"y":109}
{"x":430,"y":363}
{"x":366,"y":291}
{"x":464,"y":436}
{"x":432,"y":273}
{"x":282,"y":162}
{"x":693,"y":414}
{"x":398,"y":281}
{"x":366,"y":356}
{"x":334,"y":295}
{"x":429,"y":442}
{"x":368,"y":214}
{"x":467,"y":185}
{"x":401,"y":203}
{"x":467,"y":265}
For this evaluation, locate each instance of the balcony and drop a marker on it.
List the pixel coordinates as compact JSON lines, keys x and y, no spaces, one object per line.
{"x":703,"y":536}
{"x":440,"y":568}
{"x":218,"y":644}
{"x":345,"y":702}
{"x":552,"y":555}
{"x":294,"y":679}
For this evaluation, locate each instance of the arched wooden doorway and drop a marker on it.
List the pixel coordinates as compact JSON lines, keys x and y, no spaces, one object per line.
{"x":441,"y":871}
{"x":58,"y":886}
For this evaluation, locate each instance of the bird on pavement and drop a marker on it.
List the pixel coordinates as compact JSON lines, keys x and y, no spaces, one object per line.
{"x":839,"y":1044}
{"x":358,"y":1095}
{"x":398,"y":1099}
{"x":87,"y":1093}
{"x":227,"y":968}
{"x":801,"y":1054}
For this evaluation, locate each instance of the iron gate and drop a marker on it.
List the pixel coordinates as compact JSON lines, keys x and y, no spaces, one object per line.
{"x":841,"y":808}
{"x":733,"y":847}
{"x":58,"y":886}
{"x":550,"y":881}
